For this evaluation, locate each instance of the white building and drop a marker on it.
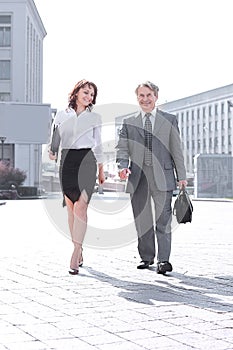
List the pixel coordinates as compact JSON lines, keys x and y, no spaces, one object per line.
{"x":21,"y":66}
{"x":206,"y":123}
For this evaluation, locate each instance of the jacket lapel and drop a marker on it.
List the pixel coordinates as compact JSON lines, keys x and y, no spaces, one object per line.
{"x":159,"y":120}
{"x":138,"y":124}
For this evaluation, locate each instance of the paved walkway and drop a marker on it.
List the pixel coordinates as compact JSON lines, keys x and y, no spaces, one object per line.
{"x":111,"y":304}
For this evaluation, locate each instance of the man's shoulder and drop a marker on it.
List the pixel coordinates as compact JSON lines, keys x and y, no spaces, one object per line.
{"x":129,"y":118}
{"x":166,"y":115}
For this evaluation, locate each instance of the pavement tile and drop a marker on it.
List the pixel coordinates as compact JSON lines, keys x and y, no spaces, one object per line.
{"x":106,"y":338}
{"x":201,"y":341}
{"x":111,"y":304}
{"x":137,"y":334}
{"x":28,"y":345}
{"x":69,"y":344}
{"x":45,"y":331}
{"x":121,"y":346}
{"x":160,"y":342}
{"x":222,"y":333}
{"x":15,"y":338}
{"x":163,"y":328}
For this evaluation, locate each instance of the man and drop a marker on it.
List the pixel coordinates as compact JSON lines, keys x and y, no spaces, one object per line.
{"x":149,"y":154}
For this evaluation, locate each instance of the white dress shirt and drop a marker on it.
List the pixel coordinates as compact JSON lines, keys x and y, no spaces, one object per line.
{"x":82,"y":131}
{"x":152,"y":117}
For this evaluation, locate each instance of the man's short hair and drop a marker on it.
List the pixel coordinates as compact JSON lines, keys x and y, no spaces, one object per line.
{"x":150,"y":85}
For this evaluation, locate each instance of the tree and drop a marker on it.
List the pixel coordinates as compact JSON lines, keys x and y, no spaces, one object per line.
{"x":11,"y":176}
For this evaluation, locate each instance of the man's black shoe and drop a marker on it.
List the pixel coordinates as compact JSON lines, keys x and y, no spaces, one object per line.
{"x":163,"y":267}
{"x":145,"y":264}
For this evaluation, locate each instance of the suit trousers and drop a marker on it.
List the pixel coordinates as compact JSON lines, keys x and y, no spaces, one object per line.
{"x":151,"y":222}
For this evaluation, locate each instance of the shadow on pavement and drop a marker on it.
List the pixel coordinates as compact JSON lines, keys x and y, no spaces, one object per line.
{"x":207,"y":293}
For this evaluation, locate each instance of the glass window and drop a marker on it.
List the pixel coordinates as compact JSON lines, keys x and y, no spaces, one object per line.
{"x":5,"y":19}
{"x":5,"y":36}
{"x":222,"y":108}
{"x":210,"y":111}
{"x":5,"y":96}
{"x":203,"y":111}
{"x":223,"y":124}
{"x":4,"y":70}
{"x":216,"y":109}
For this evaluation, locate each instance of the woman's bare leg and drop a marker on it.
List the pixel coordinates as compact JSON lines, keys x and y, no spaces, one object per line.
{"x":77,"y":220}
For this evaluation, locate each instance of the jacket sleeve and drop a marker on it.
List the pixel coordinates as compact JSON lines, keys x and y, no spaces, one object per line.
{"x":122,"y":147}
{"x":176,"y":151}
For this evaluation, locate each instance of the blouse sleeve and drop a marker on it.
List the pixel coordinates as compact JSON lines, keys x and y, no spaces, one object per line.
{"x":98,"y":149}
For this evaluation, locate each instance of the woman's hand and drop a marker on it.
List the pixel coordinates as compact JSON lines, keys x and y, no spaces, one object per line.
{"x":101,"y":175}
{"x":52,"y":156}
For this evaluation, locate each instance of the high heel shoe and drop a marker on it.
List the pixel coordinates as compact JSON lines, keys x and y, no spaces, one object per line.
{"x":80,"y":264}
{"x":73,"y":271}
{"x":76,"y":256}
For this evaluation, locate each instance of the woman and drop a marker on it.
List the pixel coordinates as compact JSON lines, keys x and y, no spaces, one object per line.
{"x":77,"y":130}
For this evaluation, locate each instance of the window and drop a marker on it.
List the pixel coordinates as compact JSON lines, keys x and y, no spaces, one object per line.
{"x":5,"y":31}
{"x":210,"y":111}
{"x":222,"y":108}
{"x":223,"y":124}
{"x":182,"y":117}
{"x":4,"y":70}
{"x":198,"y":113}
{"x":203,"y":111}
{"x":216,"y":109}
{"x":5,"y":96}
{"x":5,"y":36}
{"x":5,"y":19}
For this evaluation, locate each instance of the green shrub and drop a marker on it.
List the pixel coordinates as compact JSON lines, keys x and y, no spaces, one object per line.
{"x":10,"y":175}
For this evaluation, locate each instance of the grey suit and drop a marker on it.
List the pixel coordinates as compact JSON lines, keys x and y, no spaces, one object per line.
{"x":157,"y":181}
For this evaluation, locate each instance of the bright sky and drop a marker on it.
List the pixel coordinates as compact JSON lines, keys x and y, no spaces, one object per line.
{"x":183,"y":46}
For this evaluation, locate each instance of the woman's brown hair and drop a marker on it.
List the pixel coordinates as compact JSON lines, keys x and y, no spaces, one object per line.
{"x":73,"y":94}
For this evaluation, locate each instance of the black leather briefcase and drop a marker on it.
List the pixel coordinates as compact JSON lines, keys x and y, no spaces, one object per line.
{"x":183,"y":208}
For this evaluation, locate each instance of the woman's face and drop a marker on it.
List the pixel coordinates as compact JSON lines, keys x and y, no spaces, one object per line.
{"x":85,"y":96}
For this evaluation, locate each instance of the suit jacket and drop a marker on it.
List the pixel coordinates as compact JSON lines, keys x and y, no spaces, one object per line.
{"x":168,"y":160}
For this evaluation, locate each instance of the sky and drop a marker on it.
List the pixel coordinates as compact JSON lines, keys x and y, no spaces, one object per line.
{"x":183,"y":46}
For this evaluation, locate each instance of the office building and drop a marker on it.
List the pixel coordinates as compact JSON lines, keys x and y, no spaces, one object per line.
{"x":21,"y":84}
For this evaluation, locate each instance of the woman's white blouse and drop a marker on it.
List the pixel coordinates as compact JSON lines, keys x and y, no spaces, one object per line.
{"x":82,"y":131}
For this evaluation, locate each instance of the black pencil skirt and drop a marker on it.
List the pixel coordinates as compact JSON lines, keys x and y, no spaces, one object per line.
{"x":77,"y":172}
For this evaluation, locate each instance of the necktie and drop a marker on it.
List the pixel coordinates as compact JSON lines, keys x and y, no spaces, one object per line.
{"x":148,"y":140}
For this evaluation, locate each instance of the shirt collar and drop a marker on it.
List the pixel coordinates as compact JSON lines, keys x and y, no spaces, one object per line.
{"x":152,"y":112}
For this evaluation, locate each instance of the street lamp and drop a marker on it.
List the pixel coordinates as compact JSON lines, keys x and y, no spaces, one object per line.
{"x":2,"y":139}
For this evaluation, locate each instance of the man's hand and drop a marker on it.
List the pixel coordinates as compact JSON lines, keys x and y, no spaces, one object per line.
{"x":182,"y":184}
{"x":124,"y":173}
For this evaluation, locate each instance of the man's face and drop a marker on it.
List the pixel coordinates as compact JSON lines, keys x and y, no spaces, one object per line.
{"x":146,"y":99}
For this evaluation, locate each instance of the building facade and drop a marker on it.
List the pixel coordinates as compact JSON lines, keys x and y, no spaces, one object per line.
{"x":205,"y":122}
{"x":21,"y":67}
